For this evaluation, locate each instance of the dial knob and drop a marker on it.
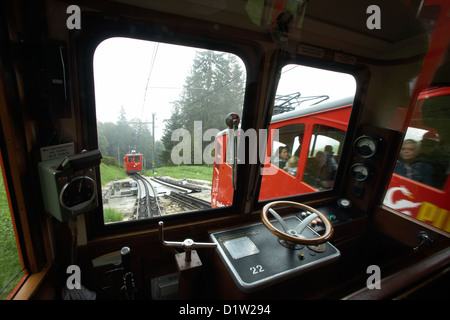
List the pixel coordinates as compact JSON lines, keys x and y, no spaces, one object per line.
{"x":78,"y":193}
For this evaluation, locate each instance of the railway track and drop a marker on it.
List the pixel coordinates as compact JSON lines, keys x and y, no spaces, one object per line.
{"x":151,"y":192}
{"x":147,"y":199}
{"x":189,"y":202}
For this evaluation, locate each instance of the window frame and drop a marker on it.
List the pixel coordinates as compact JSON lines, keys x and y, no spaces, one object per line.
{"x":29,"y":225}
{"x":358,"y":72}
{"x":10,"y":197}
{"x":92,"y":34}
{"x":435,"y":213}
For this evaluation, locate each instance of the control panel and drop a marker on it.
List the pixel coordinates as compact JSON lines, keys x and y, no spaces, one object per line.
{"x":256,"y":259}
{"x":338,"y":214}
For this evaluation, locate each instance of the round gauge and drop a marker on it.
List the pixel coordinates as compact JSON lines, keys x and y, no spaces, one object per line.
{"x":365,"y":146}
{"x":78,"y":193}
{"x":359,"y":171}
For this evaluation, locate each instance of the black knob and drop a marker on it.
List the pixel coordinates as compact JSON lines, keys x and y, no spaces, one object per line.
{"x":232,"y":120}
{"x":125,"y":252}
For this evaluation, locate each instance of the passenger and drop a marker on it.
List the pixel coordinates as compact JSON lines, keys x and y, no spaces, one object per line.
{"x":300,"y":141}
{"x":431,"y":153}
{"x":281,"y":157}
{"x":316,"y":172}
{"x":409,"y":166}
{"x":320,"y":159}
{"x":330,"y":162}
{"x":429,"y":143}
{"x":292,"y":164}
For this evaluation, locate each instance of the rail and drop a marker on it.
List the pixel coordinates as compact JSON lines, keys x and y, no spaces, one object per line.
{"x":190,"y":201}
{"x":147,"y":202}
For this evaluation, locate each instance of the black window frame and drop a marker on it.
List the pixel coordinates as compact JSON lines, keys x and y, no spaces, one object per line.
{"x":97,"y":29}
{"x":360,"y":74}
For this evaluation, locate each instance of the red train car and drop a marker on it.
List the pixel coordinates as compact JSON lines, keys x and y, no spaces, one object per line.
{"x":425,"y":195}
{"x":318,"y":125}
{"x":324,"y":126}
{"x":132,"y":162}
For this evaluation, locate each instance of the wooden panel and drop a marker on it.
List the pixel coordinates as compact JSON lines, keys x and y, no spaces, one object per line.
{"x":382,"y":164}
{"x":395,"y":284}
{"x":405,"y":229}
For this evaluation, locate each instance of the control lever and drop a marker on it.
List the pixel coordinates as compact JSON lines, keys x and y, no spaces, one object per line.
{"x":188,"y":263}
{"x":232,"y":120}
{"x":188,"y":244}
{"x":128,"y":287}
{"x":424,"y":239}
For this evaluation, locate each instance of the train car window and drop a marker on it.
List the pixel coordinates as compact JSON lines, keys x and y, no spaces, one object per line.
{"x":420,"y":184}
{"x":11,"y":269}
{"x":311,"y":114}
{"x":287,"y":143}
{"x":166,"y":102}
{"x":324,"y":151}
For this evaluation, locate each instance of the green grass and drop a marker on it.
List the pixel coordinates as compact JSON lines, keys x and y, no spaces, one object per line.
{"x":9,"y":256}
{"x":184,"y":172}
{"x":111,"y":215}
{"x":203,"y":172}
{"x":110,"y":173}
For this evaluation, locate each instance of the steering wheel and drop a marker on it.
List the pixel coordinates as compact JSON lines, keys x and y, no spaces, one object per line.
{"x":294,"y":236}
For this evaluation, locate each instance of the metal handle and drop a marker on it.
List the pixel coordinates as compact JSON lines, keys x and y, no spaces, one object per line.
{"x":188,"y":244}
{"x":424,"y":239}
{"x":232,"y":120}
{"x":125,"y":254}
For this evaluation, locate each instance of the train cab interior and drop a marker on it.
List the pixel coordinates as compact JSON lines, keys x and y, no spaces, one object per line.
{"x":365,"y":248}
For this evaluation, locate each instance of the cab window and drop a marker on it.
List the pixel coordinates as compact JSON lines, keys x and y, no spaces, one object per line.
{"x":311,"y":114}
{"x":419,"y":186}
{"x":167,"y":102}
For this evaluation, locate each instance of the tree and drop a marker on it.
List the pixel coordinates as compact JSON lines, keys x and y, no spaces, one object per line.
{"x":118,"y":139}
{"x":103,"y":143}
{"x":171,"y":124}
{"x":214,"y":88}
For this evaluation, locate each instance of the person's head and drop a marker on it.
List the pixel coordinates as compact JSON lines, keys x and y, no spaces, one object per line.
{"x":292,"y":162}
{"x":320,"y":158}
{"x":409,"y":150}
{"x":283,"y":152}
{"x":430,"y":141}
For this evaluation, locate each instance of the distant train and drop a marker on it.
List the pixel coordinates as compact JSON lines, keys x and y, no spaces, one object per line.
{"x":132,"y":162}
